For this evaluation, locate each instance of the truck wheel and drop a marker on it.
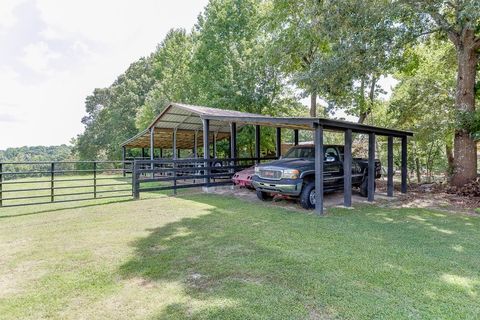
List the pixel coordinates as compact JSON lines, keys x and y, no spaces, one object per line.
{"x":364,"y":187}
{"x":264,"y":196}
{"x":307,"y":197}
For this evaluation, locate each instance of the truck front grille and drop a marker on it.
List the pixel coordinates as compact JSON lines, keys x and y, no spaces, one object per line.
{"x":270,"y":174}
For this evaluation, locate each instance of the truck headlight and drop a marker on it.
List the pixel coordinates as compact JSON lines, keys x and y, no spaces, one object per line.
{"x":290,"y":174}
{"x":257,"y":170}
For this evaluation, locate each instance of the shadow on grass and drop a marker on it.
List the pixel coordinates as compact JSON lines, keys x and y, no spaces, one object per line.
{"x":243,"y":260}
{"x":47,"y":207}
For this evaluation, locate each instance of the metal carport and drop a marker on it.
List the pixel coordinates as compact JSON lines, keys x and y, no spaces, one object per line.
{"x":182,"y":126}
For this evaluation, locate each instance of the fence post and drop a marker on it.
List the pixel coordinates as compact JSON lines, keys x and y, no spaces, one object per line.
{"x":52,"y":183}
{"x":1,"y":184}
{"x":124,"y":158}
{"x":135,"y":181}
{"x":174,"y":177}
{"x":95,"y":179}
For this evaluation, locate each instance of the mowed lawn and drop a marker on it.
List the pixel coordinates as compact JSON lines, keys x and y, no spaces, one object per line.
{"x":211,"y":257}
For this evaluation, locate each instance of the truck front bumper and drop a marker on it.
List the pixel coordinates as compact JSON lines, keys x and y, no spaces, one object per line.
{"x":284,"y":186}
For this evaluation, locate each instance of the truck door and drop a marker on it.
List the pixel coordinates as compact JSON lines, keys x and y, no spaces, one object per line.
{"x":333,"y":168}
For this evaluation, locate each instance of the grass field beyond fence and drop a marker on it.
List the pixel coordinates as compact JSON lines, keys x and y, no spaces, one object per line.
{"x":211,"y":257}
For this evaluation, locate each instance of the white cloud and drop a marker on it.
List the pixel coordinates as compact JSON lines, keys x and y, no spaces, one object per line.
{"x":79,"y":45}
{"x":37,"y":56}
{"x":7,"y":16}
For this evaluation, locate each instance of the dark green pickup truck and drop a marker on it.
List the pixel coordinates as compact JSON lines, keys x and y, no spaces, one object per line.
{"x":294,"y":174}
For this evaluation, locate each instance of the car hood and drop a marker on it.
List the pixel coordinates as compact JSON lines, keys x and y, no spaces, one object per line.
{"x":293,"y":163}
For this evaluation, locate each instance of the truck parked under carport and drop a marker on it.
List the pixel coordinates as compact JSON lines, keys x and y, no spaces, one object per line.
{"x":294,"y":174}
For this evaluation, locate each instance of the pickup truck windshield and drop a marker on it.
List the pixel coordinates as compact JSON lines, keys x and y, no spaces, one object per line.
{"x":309,"y":153}
{"x":300,"y":152}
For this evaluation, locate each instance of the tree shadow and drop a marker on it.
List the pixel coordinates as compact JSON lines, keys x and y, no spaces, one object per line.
{"x":243,"y":260}
{"x":47,"y":207}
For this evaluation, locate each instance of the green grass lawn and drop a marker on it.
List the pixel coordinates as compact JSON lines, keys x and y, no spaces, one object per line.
{"x":210,"y":257}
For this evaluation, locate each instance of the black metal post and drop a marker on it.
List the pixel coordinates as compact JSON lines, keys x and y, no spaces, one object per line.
{"x":136,"y":181}
{"x":152,"y":148}
{"x":143,"y":153}
{"x":206,"y":150}
{"x":52,"y":182}
{"x":161,"y":153}
{"x":257,"y":143}
{"x":195,"y":145}
{"x":124,"y":158}
{"x":95,"y":178}
{"x":214,"y":145}
{"x":152,"y":143}
{"x":295,"y":137}
{"x":347,"y":169}
{"x":319,"y":169}
{"x":404,"y":164}
{"x":371,"y":167}
{"x":390,"y":166}
{"x":233,"y":140}
{"x":174,"y":144}
{"x":174,"y":177}
{"x":278,"y":141}
{"x":1,"y":184}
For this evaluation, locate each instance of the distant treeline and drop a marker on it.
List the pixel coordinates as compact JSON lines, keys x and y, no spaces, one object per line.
{"x":37,"y":153}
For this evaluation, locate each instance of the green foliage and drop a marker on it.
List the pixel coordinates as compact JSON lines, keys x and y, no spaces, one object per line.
{"x":469,"y":121}
{"x":37,"y":153}
{"x":424,"y":102}
{"x":111,"y":113}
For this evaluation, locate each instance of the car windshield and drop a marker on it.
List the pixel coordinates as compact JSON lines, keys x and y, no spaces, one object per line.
{"x":300,"y":152}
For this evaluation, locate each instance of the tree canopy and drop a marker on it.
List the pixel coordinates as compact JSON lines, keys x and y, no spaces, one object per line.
{"x":265,"y":56}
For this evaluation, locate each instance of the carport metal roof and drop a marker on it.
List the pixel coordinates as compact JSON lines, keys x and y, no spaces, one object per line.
{"x":187,"y":121}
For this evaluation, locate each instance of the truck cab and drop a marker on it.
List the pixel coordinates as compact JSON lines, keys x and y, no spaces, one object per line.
{"x":293,"y":175}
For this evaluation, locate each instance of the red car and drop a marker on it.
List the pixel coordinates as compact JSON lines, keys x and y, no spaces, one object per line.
{"x":244,"y":178}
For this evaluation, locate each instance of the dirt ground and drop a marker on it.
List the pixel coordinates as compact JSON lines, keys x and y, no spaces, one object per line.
{"x":416,"y":197}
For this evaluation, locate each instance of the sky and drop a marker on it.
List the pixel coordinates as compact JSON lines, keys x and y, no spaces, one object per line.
{"x":53,"y":53}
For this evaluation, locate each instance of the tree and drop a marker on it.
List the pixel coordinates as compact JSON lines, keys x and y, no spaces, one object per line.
{"x":424,"y":101}
{"x":459,"y":20}
{"x":171,"y":64}
{"x":111,"y":113}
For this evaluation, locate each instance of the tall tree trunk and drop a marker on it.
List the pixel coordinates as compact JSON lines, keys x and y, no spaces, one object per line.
{"x":417,"y":170}
{"x":313,"y":104}
{"x":464,"y":147}
{"x":365,"y":109}
{"x":450,"y":159}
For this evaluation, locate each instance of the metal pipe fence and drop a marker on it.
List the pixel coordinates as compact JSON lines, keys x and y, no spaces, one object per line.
{"x":174,"y":174}
{"x":36,"y":183}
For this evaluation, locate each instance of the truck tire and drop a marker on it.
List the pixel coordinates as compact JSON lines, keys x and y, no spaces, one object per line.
{"x":364,"y":187}
{"x":264,"y":196}
{"x":307,"y":196}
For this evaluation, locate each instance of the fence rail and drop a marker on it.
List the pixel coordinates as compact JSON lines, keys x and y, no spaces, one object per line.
{"x":41,"y":182}
{"x":173,"y":174}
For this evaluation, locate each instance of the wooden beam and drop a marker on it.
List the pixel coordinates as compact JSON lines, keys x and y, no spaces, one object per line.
{"x":319,"y":155}
{"x":404,"y":165}
{"x":390,"y":166}
{"x":347,"y":169}
{"x":371,"y":167}
{"x":278,"y":140}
